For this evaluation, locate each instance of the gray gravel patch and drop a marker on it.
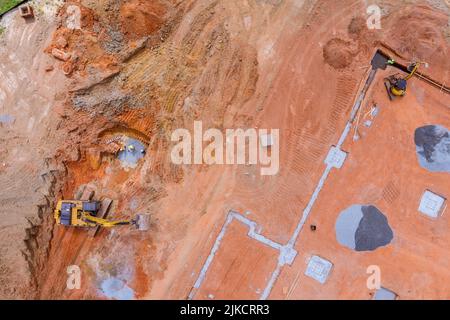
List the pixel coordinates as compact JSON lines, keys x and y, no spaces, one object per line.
{"x":433,"y":148}
{"x":346,"y":225}
{"x":373,"y":230}
{"x":363,"y":228}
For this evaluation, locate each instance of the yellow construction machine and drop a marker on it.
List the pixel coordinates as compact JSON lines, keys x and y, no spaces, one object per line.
{"x":90,"y":214}
{"x":395,"y":85}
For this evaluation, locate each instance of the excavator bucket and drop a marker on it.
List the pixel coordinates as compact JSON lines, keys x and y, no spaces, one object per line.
{"x":142,"y":222}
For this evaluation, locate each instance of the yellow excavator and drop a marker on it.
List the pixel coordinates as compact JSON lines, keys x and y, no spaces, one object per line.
{"x":79,"y":213}
{"x":395,"y":85}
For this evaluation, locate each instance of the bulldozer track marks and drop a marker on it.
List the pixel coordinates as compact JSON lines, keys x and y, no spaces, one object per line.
{"x":345,"y":93}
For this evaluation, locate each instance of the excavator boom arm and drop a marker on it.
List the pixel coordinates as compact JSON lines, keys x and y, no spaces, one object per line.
{"x":413,"y":71}
{"x":103,"y":222}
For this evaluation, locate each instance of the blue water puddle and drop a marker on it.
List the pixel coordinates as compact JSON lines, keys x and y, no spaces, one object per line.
{"x":134,"y":151}
{"x":114,"y":288}
{"x":6,"y":118}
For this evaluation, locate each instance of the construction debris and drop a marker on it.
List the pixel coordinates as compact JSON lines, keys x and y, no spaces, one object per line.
{"x":60,"y":55}
{"x":26,"y":11}
{"x":432,"y":204}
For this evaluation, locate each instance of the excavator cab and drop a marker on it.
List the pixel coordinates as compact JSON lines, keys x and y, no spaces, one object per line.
{"x":74,"y":212}
{"x":396,"y":86}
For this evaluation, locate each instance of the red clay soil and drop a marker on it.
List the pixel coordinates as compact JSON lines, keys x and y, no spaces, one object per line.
{"x":310,"y":101}
{"x":243,"y":265}
{"x":383,"y":170}
{"x":140,"y":18}
{"x":296,"y":67}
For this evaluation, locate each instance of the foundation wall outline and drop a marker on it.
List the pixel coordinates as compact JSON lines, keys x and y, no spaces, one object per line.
{"x":287,"y":252}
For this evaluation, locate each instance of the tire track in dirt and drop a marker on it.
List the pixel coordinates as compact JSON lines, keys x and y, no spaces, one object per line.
{"x":307,"y":147}
{"x":304,"y":148}
{"x":27,"y":93}
{"x":306,"y":152}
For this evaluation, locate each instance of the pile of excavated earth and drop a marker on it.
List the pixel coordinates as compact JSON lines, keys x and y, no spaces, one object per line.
{"x":84,"y":78}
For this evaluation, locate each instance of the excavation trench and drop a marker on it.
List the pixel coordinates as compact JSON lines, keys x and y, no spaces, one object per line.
{"x":100,"y":169}
{"x":382,"y":56}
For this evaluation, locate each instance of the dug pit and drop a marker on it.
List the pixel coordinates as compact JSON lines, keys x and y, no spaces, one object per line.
{"x":133,"y":151}
{"x":363,"y":228}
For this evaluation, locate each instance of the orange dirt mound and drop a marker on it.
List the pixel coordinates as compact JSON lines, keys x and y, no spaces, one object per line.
{"x":140,"y":18}
{"x":83,"y":46}
{"x":357,"y":26}
{"x":337,"y":53}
